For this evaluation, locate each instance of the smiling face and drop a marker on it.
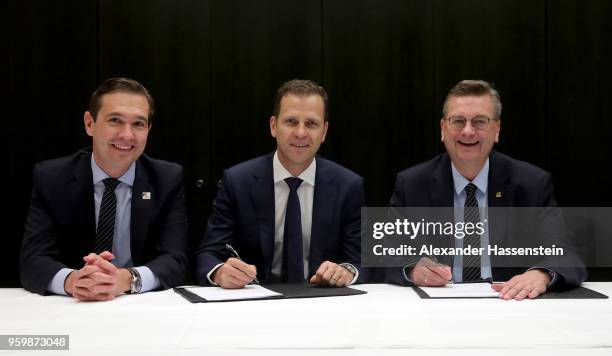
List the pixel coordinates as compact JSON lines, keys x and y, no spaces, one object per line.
{"x":468,"y":147}
{"x":299,"y":129}
{"x":119,"y":132}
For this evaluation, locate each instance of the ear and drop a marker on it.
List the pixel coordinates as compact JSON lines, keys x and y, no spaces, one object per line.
{"x":497,"y":131}
{"x":89,"y":122}
{"x":325,"y":127}
{"x":442,"y":129}
{"x":273,"y":126}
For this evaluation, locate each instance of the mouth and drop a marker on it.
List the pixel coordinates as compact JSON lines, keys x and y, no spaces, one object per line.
{"x":468,"y":144}
{"x":122,"y":148}
{"x":299,"y":145}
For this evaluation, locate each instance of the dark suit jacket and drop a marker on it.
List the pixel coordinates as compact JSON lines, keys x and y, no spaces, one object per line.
{"x":521,"y":184}
{"x":243,"y":215}
{"x":61,"y":229}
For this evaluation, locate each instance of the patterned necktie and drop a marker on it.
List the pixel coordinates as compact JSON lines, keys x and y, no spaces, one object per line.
{"x":471,"y":263}
{"x":106,"y":217}
{"x":293,"y":260}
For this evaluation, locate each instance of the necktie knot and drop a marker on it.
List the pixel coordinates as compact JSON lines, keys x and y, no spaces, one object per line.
{"x":293,"y":183}
{"x":110,"y":184}
{"x":470,"y":189}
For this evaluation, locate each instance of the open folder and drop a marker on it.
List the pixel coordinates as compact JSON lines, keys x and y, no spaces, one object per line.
{"x":483,"y":290}
{"x":255,"y":292}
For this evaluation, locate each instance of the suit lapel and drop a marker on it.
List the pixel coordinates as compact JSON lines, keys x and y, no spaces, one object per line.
{"x":441,"y":184}
{"x":499,"y":195}
{"x":441,"y":195}
{"x":80,"y":186}
{"x":322,"y":213}
{"x":141,"y":212}
{"x":262,"y":196}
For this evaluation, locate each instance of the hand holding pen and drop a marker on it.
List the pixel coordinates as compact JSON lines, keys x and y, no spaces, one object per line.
{"x":235,"y":254}
{"x":234,"y":273}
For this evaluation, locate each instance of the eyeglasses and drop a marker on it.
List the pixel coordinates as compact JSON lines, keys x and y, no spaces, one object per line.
{"x":479,"y":122}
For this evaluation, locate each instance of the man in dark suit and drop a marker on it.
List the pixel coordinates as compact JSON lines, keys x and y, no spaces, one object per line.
{"x":292,"y":215}
{"x":108,"y":220}
{"x":469,"y":175}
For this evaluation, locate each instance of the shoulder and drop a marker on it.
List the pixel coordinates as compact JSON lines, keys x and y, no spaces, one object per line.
{"x":339,"y":172}
{"x":424,"y":171}
{"x":518,"y":171}
{"x":160,"y":169}
{"x":62,"y":166}
{"x":251,"y":166}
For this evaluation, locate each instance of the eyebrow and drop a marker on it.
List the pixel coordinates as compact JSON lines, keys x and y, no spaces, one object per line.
{"x":143,"y":118}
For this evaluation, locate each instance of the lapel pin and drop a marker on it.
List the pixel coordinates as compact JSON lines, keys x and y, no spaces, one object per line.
{"x":146,"y":195}
{"x":498,"y":195}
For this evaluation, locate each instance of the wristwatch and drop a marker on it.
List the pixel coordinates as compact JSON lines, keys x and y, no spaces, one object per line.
{"x":136,"y":281}
{"x":349,"y":267}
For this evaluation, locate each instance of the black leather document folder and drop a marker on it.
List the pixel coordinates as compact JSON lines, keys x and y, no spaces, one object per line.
{"x":286,"y":291}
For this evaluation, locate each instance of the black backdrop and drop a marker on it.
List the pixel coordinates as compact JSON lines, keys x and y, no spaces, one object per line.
{"x":213,"y":67}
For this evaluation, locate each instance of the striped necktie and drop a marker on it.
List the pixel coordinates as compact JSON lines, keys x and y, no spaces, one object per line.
{"x":471,"y":263}
{"x":106,"y":217}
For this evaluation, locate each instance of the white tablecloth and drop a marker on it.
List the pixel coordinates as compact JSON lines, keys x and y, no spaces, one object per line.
{"x":389,"y":320}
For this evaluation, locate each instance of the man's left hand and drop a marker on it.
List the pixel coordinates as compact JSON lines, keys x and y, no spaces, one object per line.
{"x":527,"y":285}
{"x":332,"y":274}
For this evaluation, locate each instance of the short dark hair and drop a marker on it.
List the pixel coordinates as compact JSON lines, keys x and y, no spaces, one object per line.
{"x":114,"y":85}
{"x":300,"y":87}
{"x":474,"y":88}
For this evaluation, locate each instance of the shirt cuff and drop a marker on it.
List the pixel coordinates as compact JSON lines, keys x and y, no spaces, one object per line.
{"x":354,"y":269}
{"x":554,"y":276}
{"x":149,"y":280}
{"x":56,"y":286}
{"x":208,"y":276}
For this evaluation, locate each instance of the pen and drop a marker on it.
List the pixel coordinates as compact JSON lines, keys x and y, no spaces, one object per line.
{"x":235,"y":254}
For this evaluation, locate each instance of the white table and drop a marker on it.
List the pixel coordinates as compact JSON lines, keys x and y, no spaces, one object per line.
{"x":389,"y":320}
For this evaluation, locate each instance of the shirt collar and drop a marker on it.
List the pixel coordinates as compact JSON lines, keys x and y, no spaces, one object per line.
{"x":481,"y":180}
{"x":99,"y":175}
{"x":280,"y":172}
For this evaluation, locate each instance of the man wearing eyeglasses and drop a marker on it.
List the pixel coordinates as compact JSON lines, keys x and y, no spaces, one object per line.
{"x":472,"y":176}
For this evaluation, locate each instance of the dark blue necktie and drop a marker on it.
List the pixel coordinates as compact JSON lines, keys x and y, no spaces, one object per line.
{"x":471,"y":263}
{"x":106,"y":217}
{"x":293,"y":260}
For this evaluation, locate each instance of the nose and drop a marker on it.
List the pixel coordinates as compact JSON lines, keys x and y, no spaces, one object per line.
{"x":300,"y":130}
{"x":126,"y":132}
{"x":468,"y":130}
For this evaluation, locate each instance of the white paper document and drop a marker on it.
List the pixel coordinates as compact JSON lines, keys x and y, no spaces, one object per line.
{"x":250,"y":291}
{"x":461,"y":290}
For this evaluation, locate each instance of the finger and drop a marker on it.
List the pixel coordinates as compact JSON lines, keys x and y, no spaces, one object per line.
{"x":321,"y":271}
{"x":336,"y":277}
{"x":314,"y":279}
{"x":103,"y":278}
{"x":497,"y":286}
{"x":432,"y":278}
{"x":90,"y":258}
{"x":443,"y":271}
{"x":231,"y":277}
{"x":522,"y":294}
{"x":105,"y":265}
{"x":345,"y":279}
{"x":107,"y":255}
{"x":329,"y":273}
{"x":247,"y":269}
{"x":535,"y":293}
{"x":512,"y":291}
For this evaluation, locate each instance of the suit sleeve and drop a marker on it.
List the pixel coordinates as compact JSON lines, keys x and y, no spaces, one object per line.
{"x":569,"y":268}
{"x":350,"y":249}
{"x":170,"y":263}
{"x":39,"y":251}
{"x":219,"y":231}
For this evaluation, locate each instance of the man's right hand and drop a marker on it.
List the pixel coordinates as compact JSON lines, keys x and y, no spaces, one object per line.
{"x":427,"y":273}
{"x":234,"y":273}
